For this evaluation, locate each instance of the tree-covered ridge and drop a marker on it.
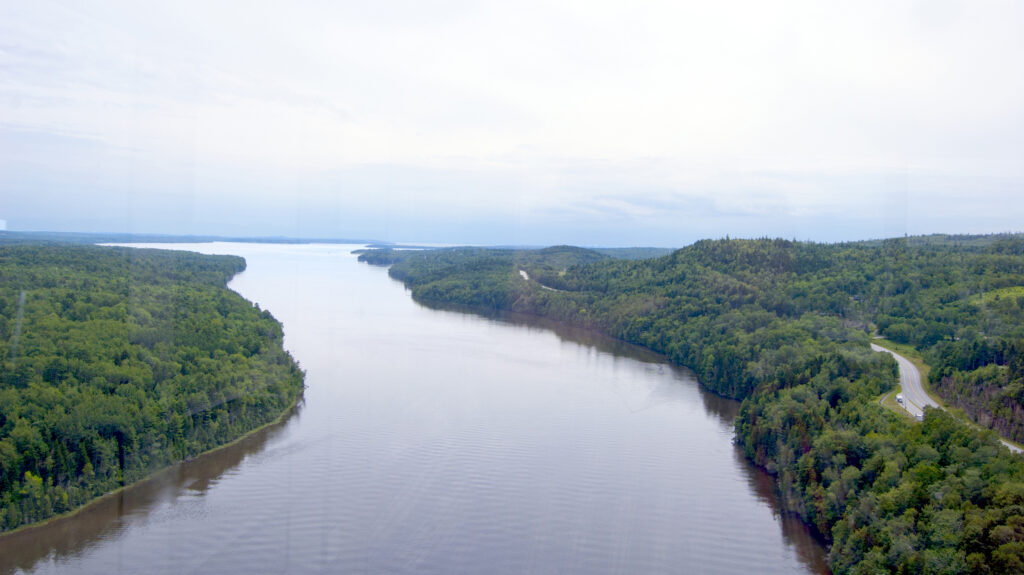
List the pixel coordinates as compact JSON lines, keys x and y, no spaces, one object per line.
{"x":712,"y":307}
{"x":929,"y":294}
{"x":118,"y":362}
{"x":785,"y":327}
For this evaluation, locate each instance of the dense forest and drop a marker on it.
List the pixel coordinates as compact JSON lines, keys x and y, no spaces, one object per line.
{"x":785,"y":327}
{"x":118,"y":362}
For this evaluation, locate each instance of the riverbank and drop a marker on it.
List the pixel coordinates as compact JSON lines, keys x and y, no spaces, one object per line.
{"x":30,"y":529}
{"x":121,"y":362}
{"x":441,"y":442}
{"x":762,"y":321}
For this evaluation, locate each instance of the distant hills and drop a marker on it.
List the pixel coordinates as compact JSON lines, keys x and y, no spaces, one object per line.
{"x":10,"y":237}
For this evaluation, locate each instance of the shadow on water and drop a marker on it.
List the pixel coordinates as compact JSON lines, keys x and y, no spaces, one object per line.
{"x":103,"y":519}
{"x":723,"y":408}
{"x":796,"y":534}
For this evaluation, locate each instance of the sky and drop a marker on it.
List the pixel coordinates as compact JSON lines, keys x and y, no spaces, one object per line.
{"x":526,"y":122}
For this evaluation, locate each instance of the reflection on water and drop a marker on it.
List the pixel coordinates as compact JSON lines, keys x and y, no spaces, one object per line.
{"x":434,"y":441}
{"x":795,"y":532}
{"x":662,"y":390}
{"x":62,"y":539}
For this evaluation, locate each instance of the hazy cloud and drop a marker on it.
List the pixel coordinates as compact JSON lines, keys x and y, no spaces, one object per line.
{"x":583,"y":122}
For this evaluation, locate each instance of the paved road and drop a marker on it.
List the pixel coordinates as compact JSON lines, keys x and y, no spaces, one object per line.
{"x":526,"y":277}
{"x":914,"y":397}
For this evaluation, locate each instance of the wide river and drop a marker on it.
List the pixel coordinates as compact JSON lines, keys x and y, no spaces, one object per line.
{"x":443,"y":442}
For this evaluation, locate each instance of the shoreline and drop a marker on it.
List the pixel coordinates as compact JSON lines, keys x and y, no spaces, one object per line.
{"x":553,"y":325}
{"x":120,"y":490}
{"x":92,"y":503}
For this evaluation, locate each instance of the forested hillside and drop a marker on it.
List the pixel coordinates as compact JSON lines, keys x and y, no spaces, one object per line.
{"x":785,"y":326}
{"x":118,"y":362}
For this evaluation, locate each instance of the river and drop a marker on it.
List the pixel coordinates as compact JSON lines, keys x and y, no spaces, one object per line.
{"x":434,"y":441}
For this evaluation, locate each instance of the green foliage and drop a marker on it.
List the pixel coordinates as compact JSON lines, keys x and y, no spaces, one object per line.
{"x":634,"y":253}
{"x":118,"y":362}
{"x":785,"y":326}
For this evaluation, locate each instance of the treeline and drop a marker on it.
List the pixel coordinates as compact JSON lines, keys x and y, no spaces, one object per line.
{"x":118,"y":362}
{"x":983,"y":372}
{"x":785,"y":326}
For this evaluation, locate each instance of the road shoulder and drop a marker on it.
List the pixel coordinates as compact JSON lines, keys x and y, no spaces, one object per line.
{"x":881,"y":345}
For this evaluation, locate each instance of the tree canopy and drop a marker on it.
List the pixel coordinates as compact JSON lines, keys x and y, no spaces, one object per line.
{"x":785,"y":326}
{"x":117,"y":362}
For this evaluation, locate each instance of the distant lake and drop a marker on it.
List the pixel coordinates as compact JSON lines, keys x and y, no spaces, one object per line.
{"x":434,"y":441}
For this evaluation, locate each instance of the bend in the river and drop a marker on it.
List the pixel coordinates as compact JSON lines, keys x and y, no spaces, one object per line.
{"x":434,"y":441}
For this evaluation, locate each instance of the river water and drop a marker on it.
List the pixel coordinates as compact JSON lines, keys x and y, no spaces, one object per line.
{"x":435,"y":441}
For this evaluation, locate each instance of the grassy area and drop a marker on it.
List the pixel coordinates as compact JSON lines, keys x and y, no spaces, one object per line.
{"x":995,"y":295}
{"x":907,"y":351}
{"x":1011,"y":442}
{"x":888,"y":401}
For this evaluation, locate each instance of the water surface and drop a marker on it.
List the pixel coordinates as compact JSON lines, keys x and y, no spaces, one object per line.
{"x":435,"y":441}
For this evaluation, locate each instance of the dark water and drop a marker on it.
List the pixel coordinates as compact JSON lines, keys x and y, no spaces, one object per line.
{"x":442,"y":442}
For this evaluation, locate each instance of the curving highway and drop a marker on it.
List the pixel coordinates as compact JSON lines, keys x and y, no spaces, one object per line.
{"x":915,"y":399}
{"x":526,"y":277}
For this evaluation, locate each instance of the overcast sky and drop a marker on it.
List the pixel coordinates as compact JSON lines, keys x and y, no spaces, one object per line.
{"x":516,"y":122}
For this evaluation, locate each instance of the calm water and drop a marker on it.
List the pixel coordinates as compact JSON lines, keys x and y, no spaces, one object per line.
{"x":441,"y":442}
